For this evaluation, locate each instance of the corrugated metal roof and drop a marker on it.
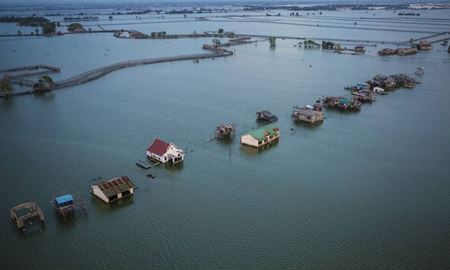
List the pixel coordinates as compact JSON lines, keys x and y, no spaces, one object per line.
{"x":116,"y":185}
{"x":64,"y":199}
{"x":262,"y":132}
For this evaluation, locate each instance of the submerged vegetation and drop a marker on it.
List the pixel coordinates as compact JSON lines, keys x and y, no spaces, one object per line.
{"x":44,"y":84}
{"x":75,"y":27}
{"x":48,"y":27}
{"x":33,"y":21}
{"x":5,"y":86}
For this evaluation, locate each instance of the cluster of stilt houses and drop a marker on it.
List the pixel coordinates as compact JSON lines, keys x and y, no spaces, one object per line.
{"x":162,"y":152}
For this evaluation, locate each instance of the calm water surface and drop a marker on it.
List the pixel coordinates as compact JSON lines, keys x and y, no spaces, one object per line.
{"x":368,"y":190}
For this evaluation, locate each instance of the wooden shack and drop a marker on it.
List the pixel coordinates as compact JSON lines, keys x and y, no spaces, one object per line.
{"x":406,"y":51}
{"x":64,"y":204}
{"x":224,"y":131}
{"x":342,"y":103}
{"x":424,"y":45}
{"x":260,"y":137}
{"x":26,"y":214}
{"x":307,"y":115}
{"x":378,"y":90}
{"x":266,"y":117}
{"x":359,"y":49}
{"x":387,"y":51}
{"x":113,"y":189}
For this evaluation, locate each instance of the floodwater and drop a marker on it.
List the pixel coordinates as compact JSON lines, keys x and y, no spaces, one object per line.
{"x":367,"y":190}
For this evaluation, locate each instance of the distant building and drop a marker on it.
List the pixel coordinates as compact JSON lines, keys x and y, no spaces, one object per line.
{"x":378,"y":90}
{"x":359,"y":49}
{"x":165,"y":152}
{"x":424,"y":45}
{"x":406,"y":51}
{"x":261,"y":136}
{"x":114,"y":189}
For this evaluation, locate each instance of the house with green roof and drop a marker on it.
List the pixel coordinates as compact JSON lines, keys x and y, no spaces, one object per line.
{"x":261,"y":136}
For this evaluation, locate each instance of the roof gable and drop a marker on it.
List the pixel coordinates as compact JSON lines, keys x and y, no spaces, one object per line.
{"x":158,"y":147}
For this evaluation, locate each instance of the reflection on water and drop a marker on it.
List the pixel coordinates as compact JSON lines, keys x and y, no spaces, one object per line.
{"x":174,"y":167}
{"x":101,"y":206}
{"x":253,"y":151}
{"x":33,"y":230}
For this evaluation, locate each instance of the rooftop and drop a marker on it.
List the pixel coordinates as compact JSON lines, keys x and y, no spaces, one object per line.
{"x":307,"y":112}
{"x":64,"y":199}
{"x":158,"y":147}
{"x":262,"y":132}
{"x":115,"y":185}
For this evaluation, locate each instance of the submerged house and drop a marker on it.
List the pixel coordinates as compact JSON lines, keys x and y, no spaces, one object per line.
{"x":424,"y":45}
{"x":64,"y":204}
{"x":266,"y":116}
{"x":26,"y":214}
{"x":165,"y":152}
{"x":378,"y":89}
{"x":359,"y":49}
{"x":406,"y":51}
{"x":225,"y":131}
{"x":114,"y":189}
{"x":307,"y":115}
{"x":261,"y":136}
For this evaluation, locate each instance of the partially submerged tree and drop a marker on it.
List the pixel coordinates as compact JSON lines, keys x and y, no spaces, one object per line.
{"x":75,"y":27}
{"x":6,"y":86}
{"x":45,"y":84}
{"x":49,"y":28}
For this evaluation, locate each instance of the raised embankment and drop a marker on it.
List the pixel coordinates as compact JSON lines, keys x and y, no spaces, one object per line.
{"x":99,"y":72}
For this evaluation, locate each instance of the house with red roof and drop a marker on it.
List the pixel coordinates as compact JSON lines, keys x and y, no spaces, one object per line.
{"x":164,"y":152}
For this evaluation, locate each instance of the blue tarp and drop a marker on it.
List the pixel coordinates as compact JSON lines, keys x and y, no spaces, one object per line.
{"x":64,"y":199}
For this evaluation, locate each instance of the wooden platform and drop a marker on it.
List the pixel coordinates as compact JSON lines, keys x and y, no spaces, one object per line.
{"x":25,"y":214}
{"x":143,"y":164}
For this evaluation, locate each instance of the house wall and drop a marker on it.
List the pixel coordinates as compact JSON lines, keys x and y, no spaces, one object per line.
{"x":173,"y":150}
{"x":249,"y":140}
{"x":154,"y":156}
{"x":275,"y":137}
{"x":97,"y":192}
{"x":304,"y":118}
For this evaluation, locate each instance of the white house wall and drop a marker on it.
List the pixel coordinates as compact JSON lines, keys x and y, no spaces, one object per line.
{"x":249,"y":140}
{"x":98,"y":192}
